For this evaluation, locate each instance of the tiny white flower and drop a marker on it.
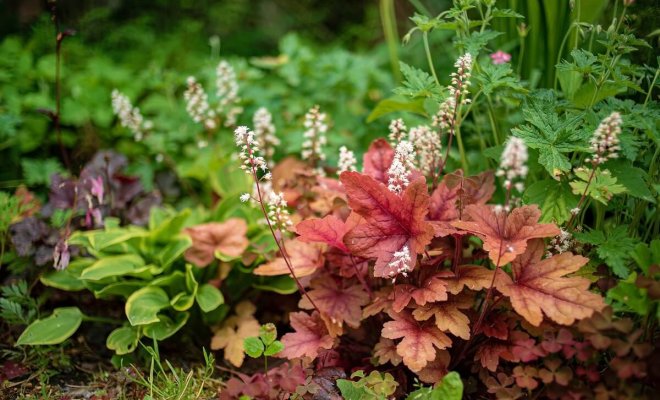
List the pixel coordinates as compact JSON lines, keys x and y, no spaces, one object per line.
{"x":402,"y":164}
{"x":315,"y":139}
{"x":129,"y":116}
{"x":347,"y":160}
{"x":605,"y":140}
{"x":245,"y":197}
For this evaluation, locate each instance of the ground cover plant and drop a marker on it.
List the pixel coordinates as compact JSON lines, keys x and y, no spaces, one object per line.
{"x":442,"y":217}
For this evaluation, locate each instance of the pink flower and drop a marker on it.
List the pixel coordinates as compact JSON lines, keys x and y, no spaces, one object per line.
{"x":61,"y":255}
{"x":97,"y":188}
{"x":500,"y":57}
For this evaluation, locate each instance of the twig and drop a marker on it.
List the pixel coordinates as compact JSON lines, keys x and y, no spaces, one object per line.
{"x":56,"y":117}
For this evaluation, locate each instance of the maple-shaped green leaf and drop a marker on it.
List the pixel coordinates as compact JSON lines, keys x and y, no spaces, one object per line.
{"x":493,"y":77}
{"x":417,"y":83}
{"x":554,"y":198}
{"x":614,"y":247}
{"x":552,"y":135}
{"x":601,"y":188}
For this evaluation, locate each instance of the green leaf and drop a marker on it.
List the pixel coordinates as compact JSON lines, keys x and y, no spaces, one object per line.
{"x":173,"y":251}
{"x":182,"y":301}
{"x":450,"y":388}
{"x":396,"y":104}
{"x":169,"y":227}
{"x":274,"y":348}
{"x":614,"y":248}
{"x":602,"y":187}
{"x":554,"y":198}
{"x":209,"y":297}
{"x":142,"y":306}
{"x":477,"y":40}
{"x":283,"y":284}
{"x":551,"y":135}
{"x":166,"y":327}
{"x":39,"y":171}
{"x":268,"y":333}
{"x":633,"y":179}
{"x":123,"y":289}
{"x":584,"y":95}
{"x":123,"y":340}
{"x":505,"y":13}
{"x":416,"y":83}
{"x":627,"y":297}
{"x":110,"y":266}
{"x":68,"y":279}
{"x":354,"y":391}
{"x":647,"y":255}
{"x":253,"y":347}
{"x":54,"y":329}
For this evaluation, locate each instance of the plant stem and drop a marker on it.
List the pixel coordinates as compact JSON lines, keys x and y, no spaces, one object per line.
{"x":285,"y":256}
{"x":461,"y":151}
{"x":561,"y":50}
{"x":388,"y":20}
{"x":59,"y":38}
{"x":429,"y":59}
{"x":582,"y":198}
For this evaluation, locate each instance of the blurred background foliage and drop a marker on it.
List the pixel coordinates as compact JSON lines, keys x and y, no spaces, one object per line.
{"x":289,"y":55}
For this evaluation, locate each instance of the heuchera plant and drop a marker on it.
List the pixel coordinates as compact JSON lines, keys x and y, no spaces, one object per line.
{"x":404,"y":268}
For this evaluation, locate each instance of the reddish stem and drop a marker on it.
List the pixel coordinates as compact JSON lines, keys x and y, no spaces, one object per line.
{"x":583,"y":197}
{"x":272,"y":231}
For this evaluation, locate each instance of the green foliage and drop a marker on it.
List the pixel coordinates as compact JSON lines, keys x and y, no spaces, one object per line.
{"x":10,"y":209}
{"x":54,"y":329}
{"x":552,"y":135}
{"x":555,"y":200}
{"x":449,"y":388}
{"x":265,"y":344}
{"x":376,"y":385}
{"x":38,"y":172}
{"x":144,"y":267}
{"x":600,"y":187}
{"x":614,"y":247}
{"x":164,"y":381}
{"x":17,"y":307}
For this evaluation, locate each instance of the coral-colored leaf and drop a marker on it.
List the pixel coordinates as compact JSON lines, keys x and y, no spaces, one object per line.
{"x":381,"y":302}
{"x":443,"y":210}
{"x":476,"y":189}
{"x":419,"y":340}
{"x":329,"y":230}
{"x":541,"y":287}
{"x":436,"y":369}
{"x":474,"y":277}
{"x":311,"y":335}
{"x":447,"y":318}
{"x":226,"y":237}
{"x":305,"y":258}
{"x":378,"y":159}
{"x":385,"y":351}
{"x":337,"y":303}
{"x":391,"y":222}
{"x":434,"y":288}
{"x":505,"y":236}
{"x":489,"y":355}
{"x":233,"y":332}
